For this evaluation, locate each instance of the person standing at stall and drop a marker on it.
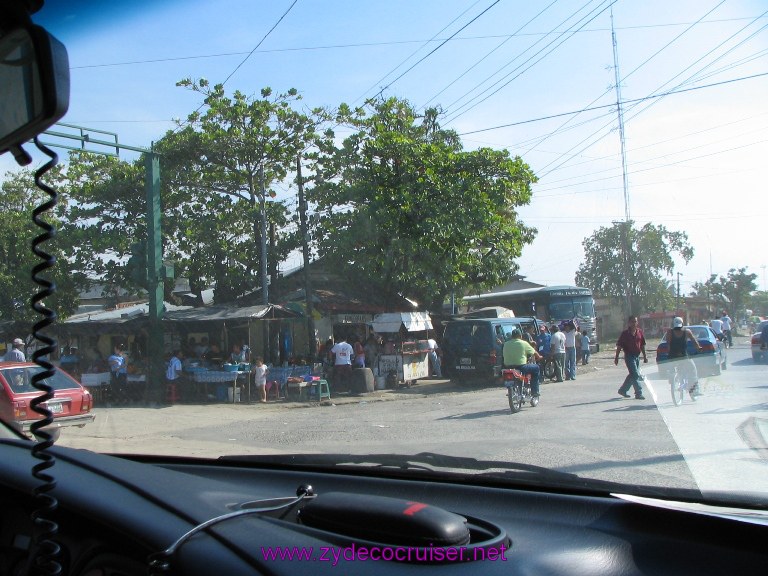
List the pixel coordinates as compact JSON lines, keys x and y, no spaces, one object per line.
{"x":371,"y":351}
{"x":260,"y":378}
{"x":434,"y":358}
{"x":174,"y":376}
{"x":342,"y":353}
{"x":16,"y":353}
{"x":118,"y":369}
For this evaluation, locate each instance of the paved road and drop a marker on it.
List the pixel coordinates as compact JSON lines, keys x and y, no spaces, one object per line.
{"x":581,"y":427}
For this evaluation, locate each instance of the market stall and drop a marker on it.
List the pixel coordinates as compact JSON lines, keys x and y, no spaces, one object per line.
{"x":404,"y":357}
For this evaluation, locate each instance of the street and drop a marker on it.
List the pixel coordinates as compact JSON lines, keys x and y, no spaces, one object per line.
{"x":581,"y":427}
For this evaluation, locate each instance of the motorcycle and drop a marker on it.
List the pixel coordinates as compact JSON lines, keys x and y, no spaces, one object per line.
{"x":518,"y":387}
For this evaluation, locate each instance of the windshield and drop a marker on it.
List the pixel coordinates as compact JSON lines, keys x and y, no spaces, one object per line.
{"x":571,"y":308}
{"x":406,"y":155}
{"x":20,"y":379}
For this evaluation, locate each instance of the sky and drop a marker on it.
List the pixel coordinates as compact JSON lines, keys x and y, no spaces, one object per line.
{"x":536,"y":78}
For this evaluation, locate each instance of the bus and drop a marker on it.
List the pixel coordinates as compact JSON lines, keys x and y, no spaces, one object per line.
{"x":552,"y":304}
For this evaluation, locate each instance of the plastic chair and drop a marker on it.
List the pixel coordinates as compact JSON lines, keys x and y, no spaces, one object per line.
{"x":320,"y":387}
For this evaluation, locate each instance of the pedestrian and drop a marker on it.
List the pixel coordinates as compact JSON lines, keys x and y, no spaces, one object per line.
{"x":557,"y":351}
{"x":570,"y":350}
{"x":359,"y":355}
{"x":16,"y":353}
{"x":542,"y":346}
{"x":717,"y":327}
{"x":632,"y":342}
{"x":260,"y":372}
{"x":174,"y":374}
{"x":518,"y":354}
{"x":118,"y":369}
{"x":342,"y":363}
{"x":727,"y":327}
{"x":371,"y":351}
{"x":584,"y":348}
{"x":434,"y":358}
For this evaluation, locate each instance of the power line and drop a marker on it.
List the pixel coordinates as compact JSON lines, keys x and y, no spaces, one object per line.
{"x":644,"y":98}
{"x":466,"y":107}
{"x":244,"y":60}
{"x":437,"y":48}
{"x":374,"y":44}
{"x":507,"y":39}
{"x":654,"y":96}
{"x":414,"y":52}
{"x":641,"y":65}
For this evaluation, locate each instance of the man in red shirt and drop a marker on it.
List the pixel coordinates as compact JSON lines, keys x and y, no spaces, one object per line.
{"x":632,"y":342}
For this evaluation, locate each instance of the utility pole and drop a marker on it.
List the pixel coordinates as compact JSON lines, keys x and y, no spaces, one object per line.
{"x":620,"y":111}
{"x":677,"y":304}
{"x":305,"y":250}
{"x":263,"y":266}
{"x":627,"y":218}
{"x":156,"y":271}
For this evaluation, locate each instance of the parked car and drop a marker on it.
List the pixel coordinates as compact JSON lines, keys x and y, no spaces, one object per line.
{"x":70,"y":406}
{"x":758,"y":355}
{"x":472,"y":348}
{"x":709,"y":362}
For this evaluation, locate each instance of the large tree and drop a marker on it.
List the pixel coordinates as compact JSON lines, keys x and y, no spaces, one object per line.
{"x":732,"y":291}
{"x":629,"y":263}
{"x":218,"y":170}
{"x":105,"y":210}
{"x":18,"y":199}
{"x":403,"y":206}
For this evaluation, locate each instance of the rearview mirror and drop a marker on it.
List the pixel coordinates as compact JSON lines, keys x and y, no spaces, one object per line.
{"x":34,"y":85}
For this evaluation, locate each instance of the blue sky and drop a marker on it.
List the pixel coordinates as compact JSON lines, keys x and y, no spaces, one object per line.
{"x":696,"y":160}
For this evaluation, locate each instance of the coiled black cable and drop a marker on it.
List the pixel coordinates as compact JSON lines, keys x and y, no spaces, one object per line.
{"x":46,"y":552}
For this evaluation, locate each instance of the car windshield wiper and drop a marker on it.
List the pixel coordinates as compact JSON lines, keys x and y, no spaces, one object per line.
{"x":440,"y":465}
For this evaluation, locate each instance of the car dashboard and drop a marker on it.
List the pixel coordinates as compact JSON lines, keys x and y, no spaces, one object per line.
{"x":120,"y":516}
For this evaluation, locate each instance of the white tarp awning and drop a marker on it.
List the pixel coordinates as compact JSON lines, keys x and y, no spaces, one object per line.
{"x":390,"y":322}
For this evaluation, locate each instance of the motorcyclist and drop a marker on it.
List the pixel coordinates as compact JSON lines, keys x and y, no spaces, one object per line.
{"x":677,"y":338}
{"x":516,"y":354}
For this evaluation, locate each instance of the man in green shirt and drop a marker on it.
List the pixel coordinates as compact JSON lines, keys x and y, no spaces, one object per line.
{"x":516,"y":353}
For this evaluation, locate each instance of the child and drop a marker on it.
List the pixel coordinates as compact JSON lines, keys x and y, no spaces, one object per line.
{"x":260,"y":377}
{"x":584,"y":348}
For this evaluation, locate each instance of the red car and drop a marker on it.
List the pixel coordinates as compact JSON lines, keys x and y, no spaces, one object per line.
{"x":70,"y":406}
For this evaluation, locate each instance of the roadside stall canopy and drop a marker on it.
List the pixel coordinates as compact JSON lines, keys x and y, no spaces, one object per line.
{"x":233,"y":316}
{"x":392,"y":321}
{"x":124,"y":320}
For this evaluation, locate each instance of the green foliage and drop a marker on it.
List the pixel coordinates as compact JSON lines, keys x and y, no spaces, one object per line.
{"x":400,"y":204}
{"x":105,"y":214}
{"x":622,"y":259}
{"x":758,"y":303}
{"x":732,"y":291}
{"x":18,"y":199}
{"x":216,"y":171}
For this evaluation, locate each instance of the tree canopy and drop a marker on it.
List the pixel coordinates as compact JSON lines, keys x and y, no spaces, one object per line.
{"x":625,"y":262}
{"x":400,"y":204}
{"x":18,"y":199}
{"x":733,"y":290}
{"x":218,"y":169}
